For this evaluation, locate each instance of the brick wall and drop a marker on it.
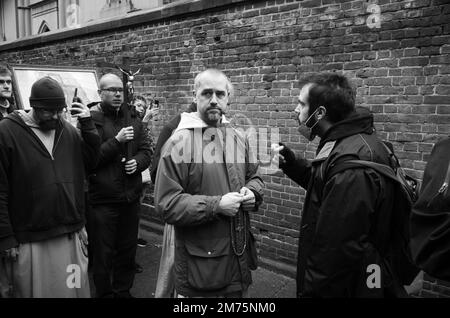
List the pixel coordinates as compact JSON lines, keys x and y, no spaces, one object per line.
{"x":401,"y":71}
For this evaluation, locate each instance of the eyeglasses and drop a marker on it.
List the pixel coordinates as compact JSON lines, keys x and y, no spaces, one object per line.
{"x":113,"y":90}
{"x":48,"y":113}
{"x":2,"y":82}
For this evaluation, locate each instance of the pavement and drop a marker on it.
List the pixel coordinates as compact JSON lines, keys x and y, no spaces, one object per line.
{"x":266,"y":284}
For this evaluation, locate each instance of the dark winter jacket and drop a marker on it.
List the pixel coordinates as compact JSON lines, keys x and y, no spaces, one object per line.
{"x":42,"y":195}
{"x":430,"y":220}
{"x":345,"y":223}
{"x":109,"y":183}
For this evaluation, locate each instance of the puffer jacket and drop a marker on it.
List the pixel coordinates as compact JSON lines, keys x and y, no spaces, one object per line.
{"x":109,"y":183}
{"x":209,"y":259}
{"x":346,"y":220}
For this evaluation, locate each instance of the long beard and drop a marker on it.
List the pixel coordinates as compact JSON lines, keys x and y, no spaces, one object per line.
{"x":48,"y":124}
{"x":212,"y":118}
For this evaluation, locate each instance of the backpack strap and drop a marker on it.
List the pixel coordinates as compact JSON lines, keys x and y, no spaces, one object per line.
{"x":384,"y":170}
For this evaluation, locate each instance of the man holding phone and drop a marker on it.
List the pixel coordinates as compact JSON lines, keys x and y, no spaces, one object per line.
{"x":43,"y":163}
{"x":114,"y":191}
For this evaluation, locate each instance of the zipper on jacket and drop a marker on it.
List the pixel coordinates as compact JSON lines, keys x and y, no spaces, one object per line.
{"x":56,"y":144}
{"x":441,"y":191}
{"x":444,"y":187}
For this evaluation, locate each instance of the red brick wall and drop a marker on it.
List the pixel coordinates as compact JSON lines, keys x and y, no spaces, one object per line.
{"x":401,"y":71}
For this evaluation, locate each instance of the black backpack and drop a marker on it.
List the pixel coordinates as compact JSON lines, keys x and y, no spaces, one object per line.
{"x":399,"y":257}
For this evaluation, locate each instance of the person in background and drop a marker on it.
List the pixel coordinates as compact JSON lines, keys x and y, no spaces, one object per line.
{"x":6,"y":106}
{"x":430,"y":219}
{"x":115,"y":188}
{"x":43,"y":165}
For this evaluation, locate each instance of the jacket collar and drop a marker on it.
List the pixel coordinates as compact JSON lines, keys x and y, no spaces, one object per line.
{"x":110,"y":111}
{"x":360,"y":121}
{"x":7,"y":108}
{"x":193,"y":120}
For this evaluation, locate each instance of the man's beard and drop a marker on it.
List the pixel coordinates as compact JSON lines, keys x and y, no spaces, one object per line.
{"x":49,"y":124}
{"x":212,"y":118}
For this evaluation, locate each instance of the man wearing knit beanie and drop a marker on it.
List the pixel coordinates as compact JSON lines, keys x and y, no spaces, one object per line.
{"x":43,"y":165}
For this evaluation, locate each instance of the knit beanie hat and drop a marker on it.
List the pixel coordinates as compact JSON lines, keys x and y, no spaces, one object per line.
{"x":47,"y":93}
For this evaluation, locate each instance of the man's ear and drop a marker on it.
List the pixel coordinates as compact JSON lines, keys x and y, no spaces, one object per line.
{"x":194,"y":99}
{"x":321,"y":113}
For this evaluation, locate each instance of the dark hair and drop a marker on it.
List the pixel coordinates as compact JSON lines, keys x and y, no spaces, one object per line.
{"x":4,"y":71}
{"x":334,"y":92}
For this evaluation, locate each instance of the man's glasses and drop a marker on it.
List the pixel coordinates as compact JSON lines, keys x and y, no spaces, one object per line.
{"x":2,"y":82}
{"x":49,"y":113}
{"x":113,"y":90}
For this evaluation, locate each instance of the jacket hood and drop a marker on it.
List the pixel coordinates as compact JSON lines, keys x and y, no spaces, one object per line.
{"x":15,"y":117}
{"x":360,"y":121}
{"x":20,"y":117}
{"x":193,"y":120}
{"x":28,"y":119}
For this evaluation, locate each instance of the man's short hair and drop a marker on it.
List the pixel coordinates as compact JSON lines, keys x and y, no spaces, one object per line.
{"x":4,"y":71}
{"x":213,"y":71}
{"x":334,"y":92}
{"x":106,"y":77}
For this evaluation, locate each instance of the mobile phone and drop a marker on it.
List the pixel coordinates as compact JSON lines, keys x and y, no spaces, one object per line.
{"x":156,"y":106}
{"x":75,"y":99}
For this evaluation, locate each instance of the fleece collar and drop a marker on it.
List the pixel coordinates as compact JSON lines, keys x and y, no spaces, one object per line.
{"x":193,"y":120}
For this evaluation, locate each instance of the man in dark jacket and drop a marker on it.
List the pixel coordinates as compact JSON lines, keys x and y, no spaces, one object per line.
{"x":430,"y":219}
{"x":114,"y":191}
{"x":345,"y":226}
{"x":5,"y":92}
{"x":43,"y":159}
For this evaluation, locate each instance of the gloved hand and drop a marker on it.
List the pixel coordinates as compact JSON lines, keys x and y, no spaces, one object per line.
{"x":287,"y":153}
